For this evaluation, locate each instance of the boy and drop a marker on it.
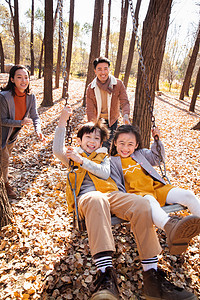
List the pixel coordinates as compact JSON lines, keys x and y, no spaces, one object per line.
{"x":98,"y":197}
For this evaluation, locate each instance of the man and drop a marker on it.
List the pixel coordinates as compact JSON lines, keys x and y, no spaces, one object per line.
{"x":105,"y":97}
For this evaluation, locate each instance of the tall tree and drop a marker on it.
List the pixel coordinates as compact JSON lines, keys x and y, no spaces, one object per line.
{"x":132,"y":46}
{"x":195,"y":92}
{"x":32,"y":38}
{"x":94,"y":51}
{"x":155,"y":23}
{"x":108,"y":29}
{"x":69,"y":48}
{"x":15,"y":19}
{"x":48,"y":54}
{"x":190,"y":68}
{"x":2,"y":56}
{"x":122,"y":34}
{"x":5,"y":208}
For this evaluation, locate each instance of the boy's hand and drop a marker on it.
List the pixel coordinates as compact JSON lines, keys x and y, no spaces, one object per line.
{"x":73,"y":155}
{"x":155,"y":132}
{"x":65,"y":114}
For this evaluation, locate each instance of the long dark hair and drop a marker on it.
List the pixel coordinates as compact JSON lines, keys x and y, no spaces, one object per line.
{"x":133,"y":129}
{"x":10,"y":85}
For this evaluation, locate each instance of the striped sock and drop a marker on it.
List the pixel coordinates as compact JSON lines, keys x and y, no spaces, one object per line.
{"x":103,"y":262}
{"x":150,"y":263}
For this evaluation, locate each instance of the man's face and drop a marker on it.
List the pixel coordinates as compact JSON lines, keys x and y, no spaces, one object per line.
{"x":102,"y":71}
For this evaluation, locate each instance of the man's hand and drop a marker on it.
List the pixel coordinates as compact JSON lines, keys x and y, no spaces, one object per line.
{"x":126,"y":120}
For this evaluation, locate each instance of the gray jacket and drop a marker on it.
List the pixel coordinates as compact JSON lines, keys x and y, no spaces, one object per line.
{"x":147,"y":158}
{"x":8,"y":122}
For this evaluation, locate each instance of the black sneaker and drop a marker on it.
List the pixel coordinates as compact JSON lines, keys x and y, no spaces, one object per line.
{"x":106,"y":286}
{"x":156,"y":286}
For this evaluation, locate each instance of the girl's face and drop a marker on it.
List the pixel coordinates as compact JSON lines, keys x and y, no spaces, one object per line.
{"x":21,"y":80}
{"x":126,"y":144}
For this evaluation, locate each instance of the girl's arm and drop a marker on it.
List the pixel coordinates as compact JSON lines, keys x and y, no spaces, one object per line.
{"x":152,"y":155}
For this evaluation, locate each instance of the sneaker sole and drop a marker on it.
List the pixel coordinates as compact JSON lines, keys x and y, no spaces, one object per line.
{"x":189,"y":228}
{"x":103,"y":295}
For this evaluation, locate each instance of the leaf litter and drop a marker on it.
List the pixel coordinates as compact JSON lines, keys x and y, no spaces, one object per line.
{"x":42,"y":256}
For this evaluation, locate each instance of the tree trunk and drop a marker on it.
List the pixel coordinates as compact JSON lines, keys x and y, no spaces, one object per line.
{"x":190,"y":68}
{"x":94,"y":42}
{"x":69,"y":49}
{"x":2,"y":56}
{"x":155,"y":24}
{"x":48,"y":54}
{"x":108,"y":29}
{"x":122,"y":34}
{"x":195,"y":92}
{"x":16,"y":32}
{"x":197,"y":126}
{"x":5,"y":208}
{"x":131,"y":47}
{"x":32,"y":39}
{"x":40,"y":60}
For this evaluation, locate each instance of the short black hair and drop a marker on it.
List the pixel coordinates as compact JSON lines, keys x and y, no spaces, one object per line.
{"x":134,"y":129}
{"x":99,"y":60}
{"x":91,"y":126}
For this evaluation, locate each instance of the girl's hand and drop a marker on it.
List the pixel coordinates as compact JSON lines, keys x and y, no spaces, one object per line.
{"x":27,"y":121}
{"x":73,"y":155}
{"x":65,"y":114}
{"x":155,"y":132}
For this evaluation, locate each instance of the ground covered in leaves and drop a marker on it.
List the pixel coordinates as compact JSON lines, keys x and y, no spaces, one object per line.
{"x":41,"y":255}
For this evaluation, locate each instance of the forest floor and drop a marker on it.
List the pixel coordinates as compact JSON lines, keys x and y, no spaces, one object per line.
{"x":41,"y":255}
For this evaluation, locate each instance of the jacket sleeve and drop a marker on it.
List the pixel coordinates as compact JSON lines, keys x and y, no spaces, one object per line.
{"x":5,"y":116}
{"x":117,"y":175}
{"x":59,"y":145}
{"x":152,"y":155}
{"x":123,"y":98}
{"x":91,"y":105}
{"x":101,"y":170}
{"x":34,"y":115}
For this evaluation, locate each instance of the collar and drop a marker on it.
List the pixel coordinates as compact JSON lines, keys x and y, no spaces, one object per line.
{"x":99,"y":150}
{"x":113,"y":81}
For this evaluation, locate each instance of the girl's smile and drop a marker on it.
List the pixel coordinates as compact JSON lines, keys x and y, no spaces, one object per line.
{"x":126,"y":144}
{"x":21,"y":80}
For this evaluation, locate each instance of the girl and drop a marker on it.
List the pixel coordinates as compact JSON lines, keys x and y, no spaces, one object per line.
{"x":134,"y":165}
{"x":16,"y":105}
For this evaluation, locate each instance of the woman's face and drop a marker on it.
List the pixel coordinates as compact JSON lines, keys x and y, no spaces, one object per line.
{"x":21,"y":80}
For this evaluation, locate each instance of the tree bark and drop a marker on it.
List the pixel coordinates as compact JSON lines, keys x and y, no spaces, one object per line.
{"x":57,"y":79}
{"x":2,"y":56}
{"x":190,"y":68}
{"x":69,"y":49}
{"x":131,"y":47}
{"x":32,"y":39}
{"x":155,"y":24}
{"x":195,"y":92}
{"x":48,"y":54}
{"x":40,"y":60}
{"x":16,"y":32}
{"x":108,"y":30}
{"x":122,"y":34}
{"x":94,"y":42}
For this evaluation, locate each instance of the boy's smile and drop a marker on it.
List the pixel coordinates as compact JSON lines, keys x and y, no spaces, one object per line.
{"x":91,"y":141}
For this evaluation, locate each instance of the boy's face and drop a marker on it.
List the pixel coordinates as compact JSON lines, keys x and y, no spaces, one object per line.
{"x":102,"y":71}
{"x":90,"y":141}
